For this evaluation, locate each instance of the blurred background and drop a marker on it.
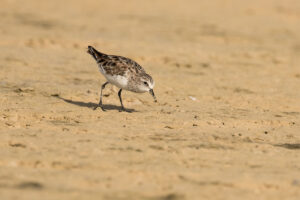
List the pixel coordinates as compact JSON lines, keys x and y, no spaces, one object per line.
{"x":227,"y":80}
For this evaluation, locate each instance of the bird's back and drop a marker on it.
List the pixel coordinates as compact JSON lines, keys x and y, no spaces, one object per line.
{"x":115,"y":65}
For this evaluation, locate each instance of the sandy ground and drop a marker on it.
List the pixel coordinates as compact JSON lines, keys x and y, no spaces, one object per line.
{"x":227,"y":124}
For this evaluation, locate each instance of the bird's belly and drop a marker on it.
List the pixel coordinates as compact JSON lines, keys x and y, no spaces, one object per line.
{"x":117,"y":80}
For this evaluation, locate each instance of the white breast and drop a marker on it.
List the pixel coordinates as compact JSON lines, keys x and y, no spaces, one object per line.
{"x":119,"y":81}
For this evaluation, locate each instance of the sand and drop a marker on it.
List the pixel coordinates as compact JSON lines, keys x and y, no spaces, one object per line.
{"x":227,"y":121}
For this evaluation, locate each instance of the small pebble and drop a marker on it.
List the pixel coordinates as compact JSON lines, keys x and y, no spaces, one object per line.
{"x":192,"y":98}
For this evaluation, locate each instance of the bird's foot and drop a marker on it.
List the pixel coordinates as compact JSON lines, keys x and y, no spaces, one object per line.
{"x":122,"y":109}
{"x":125,"y":110}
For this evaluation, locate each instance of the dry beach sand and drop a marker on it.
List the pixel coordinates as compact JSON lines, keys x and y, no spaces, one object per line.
{"x":227,"y":121}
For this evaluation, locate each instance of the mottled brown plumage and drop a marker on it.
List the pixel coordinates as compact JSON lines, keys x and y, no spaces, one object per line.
{"x":115,"y":65}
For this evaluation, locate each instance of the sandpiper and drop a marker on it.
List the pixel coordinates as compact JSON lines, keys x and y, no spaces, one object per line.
{"x":122,"y":72}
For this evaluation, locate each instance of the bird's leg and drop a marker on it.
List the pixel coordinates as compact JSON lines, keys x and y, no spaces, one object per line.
{"x":100,"y":102}
{"x":119,"y":94}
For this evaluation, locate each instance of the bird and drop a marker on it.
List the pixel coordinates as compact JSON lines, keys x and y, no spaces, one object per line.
{"x":122,"y":72}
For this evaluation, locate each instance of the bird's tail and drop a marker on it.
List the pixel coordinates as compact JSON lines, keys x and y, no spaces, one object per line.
{"x":96,"y":54}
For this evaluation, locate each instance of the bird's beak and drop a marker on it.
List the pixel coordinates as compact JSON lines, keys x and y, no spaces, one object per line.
{"x":152,"y":93}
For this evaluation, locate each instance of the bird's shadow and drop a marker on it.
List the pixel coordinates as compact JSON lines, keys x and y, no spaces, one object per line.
{"x":94,"y":105}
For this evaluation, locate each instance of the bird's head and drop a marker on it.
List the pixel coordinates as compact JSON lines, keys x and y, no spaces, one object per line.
{"x":146,"y":84}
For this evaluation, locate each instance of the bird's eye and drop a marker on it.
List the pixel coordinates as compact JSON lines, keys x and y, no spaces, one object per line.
{"x":145,"y":83}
